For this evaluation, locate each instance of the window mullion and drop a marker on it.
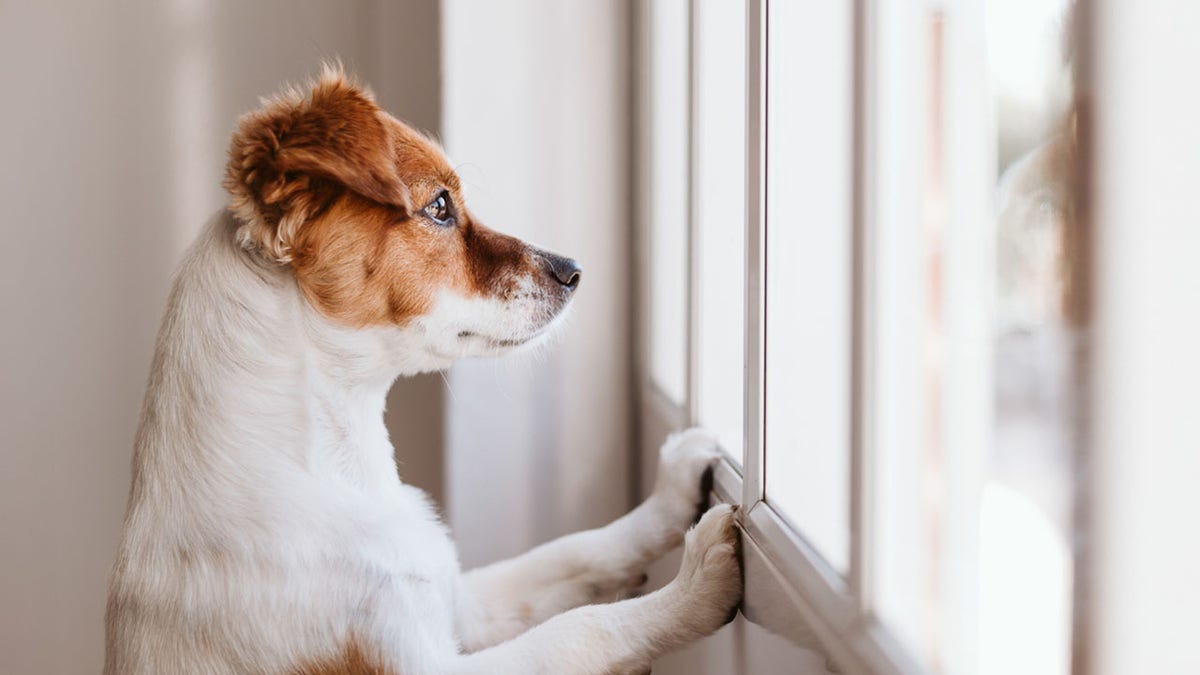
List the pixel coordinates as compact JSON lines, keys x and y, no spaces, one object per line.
{"x":693,"y":239}
{"x":756,"y":258}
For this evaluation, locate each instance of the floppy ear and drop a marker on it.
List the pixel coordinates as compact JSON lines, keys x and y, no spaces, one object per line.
{"x":288,"y":159}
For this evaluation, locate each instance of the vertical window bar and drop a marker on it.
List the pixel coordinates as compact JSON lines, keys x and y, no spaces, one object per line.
{"x":861,"y":463}
{"x":692,"y":383}
{"x":1084,"y":625}
{"x":754,"y":419}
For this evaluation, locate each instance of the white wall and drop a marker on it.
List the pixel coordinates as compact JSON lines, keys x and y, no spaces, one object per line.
{"x":113,"y":129}
{"x":1142,"y":593}
{"x":536,"y":96}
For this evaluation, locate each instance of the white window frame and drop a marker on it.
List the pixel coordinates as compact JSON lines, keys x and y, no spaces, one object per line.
{"x":790,"y":588}
{"x":823,"y":603}
{"x":1134,"y":585}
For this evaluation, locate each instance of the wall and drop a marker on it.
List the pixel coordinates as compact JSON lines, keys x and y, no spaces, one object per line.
{"x":115,"y":123}
{"x":536,"y":96}
{"x":1140,"y":589}
{"x":113,"y":129}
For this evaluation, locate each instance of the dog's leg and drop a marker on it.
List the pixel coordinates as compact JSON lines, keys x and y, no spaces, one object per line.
{"x":503,"y":600}
{"x":626,"y":636}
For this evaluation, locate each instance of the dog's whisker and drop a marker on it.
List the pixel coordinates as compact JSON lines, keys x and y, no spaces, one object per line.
{"x":449,"y":389}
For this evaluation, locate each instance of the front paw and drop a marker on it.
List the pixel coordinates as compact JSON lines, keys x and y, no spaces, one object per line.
{"x":684,"y":480}
{"x":710,"y":578}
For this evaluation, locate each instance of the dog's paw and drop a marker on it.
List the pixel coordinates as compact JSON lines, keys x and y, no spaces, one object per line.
{"x":684,"y":478}
{"x":710,"y":578}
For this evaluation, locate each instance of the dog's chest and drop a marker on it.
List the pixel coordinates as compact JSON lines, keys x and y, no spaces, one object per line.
{"x":403,"y":571}
{"x":404,"y":538}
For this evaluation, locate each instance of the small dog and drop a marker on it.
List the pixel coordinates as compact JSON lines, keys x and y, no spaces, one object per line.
{"x":267,"y":529}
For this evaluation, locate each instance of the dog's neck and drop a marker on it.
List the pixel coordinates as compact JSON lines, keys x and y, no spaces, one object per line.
{"x":260,"y":380}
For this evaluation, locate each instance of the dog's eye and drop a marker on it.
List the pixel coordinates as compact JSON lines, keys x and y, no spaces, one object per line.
{"x":439,"y":209}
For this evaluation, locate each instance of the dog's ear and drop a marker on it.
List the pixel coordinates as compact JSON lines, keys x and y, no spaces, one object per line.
{"x":289,"y":158}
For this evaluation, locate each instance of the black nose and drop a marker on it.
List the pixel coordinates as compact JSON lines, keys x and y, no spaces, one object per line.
{"x":564,"y":270}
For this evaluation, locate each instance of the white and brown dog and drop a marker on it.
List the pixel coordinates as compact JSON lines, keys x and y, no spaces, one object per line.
{"x":267,"y":529}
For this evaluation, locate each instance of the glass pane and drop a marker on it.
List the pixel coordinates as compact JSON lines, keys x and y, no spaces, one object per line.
{"x":905,"y":341}
{"x":720,"y":216}
{"x":809,"y":292}
{"x":903,"y":378}
{"x":1025,"y":565}
{"x":668,"y":207}
{"x":976,"y":316}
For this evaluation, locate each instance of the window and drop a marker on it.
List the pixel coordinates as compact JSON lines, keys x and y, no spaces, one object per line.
{"x":719,"y":213}
{"x":668,"y":159}
{"x":880,"y":310}
{"x":809,"y":270}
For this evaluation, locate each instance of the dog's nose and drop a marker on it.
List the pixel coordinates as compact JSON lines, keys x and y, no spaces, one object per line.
{"x":564,"y":270}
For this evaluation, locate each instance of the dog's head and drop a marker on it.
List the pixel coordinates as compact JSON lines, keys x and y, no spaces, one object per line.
{"x":370,"y":218}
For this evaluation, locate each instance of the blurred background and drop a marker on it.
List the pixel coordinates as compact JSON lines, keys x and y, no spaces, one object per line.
{"x":927,"y":267}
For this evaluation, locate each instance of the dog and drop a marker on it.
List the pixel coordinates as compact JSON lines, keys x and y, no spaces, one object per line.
{"x":267,"y":529}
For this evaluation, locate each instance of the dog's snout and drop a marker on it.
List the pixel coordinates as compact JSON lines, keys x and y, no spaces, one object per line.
{"x":567,"y":272}
{"x":564,"y":270}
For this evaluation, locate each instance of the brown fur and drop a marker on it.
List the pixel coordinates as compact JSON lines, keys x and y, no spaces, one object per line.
{"x":351,"y":661}
{"x":335,"y":187}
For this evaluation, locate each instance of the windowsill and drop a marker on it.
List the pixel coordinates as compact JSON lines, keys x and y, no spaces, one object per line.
{"x":793,"y":592}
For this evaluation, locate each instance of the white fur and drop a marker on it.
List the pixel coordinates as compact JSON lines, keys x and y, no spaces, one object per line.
{"x":267,"y":524}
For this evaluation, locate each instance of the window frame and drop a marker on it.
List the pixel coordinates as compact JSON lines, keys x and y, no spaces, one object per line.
{"x":830,"y":607}
{"x":790,"y":588}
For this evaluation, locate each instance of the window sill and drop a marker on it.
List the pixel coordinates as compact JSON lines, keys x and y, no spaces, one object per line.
{"x":792,"y":592}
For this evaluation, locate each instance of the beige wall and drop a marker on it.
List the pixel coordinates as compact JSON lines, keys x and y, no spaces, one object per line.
{"x":113,"y":126}
{"x":536,"y":119}
{"x":113,"y":130}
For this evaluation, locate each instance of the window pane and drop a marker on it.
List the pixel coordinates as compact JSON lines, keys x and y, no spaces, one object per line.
{"x":907,"y":523}
{"x":976,"y":316}
{"x":720,"y":216}
{"x":809,"y":291}
{"x":668,"y":207}
{"x":1025,"y":560}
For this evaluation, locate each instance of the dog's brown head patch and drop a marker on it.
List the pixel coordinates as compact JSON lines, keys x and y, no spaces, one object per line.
{"x":288,"y":159}
{"x":368,"y":213}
